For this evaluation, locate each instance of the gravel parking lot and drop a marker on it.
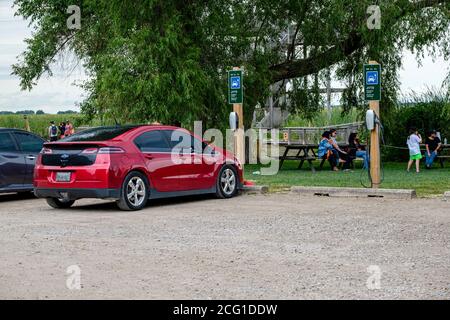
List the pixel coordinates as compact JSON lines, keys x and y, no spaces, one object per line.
{"x":274,"y":246}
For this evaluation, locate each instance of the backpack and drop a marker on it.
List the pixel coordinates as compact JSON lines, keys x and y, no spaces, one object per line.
{"x":54,"y":131}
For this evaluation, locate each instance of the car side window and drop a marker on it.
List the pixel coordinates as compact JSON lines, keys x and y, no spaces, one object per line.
{"x":182,"y":141}
{"x":7,"y":143}
{"x":28,"y":142}
{"x":152,"y":141}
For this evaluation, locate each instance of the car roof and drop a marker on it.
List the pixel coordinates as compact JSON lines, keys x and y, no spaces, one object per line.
{"x":151,"y":126}
{"x":15,"y":130}
{"x":10,"y":130}
{"x":142,"y":128}
{"x":157,"y":126}
{"x":130,"y":130}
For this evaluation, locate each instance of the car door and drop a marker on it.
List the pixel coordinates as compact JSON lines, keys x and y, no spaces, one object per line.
{"x":12,"y":163}
{"x":30,"y":145}
{"x":156,"y":153}
{"x":194,"y":172}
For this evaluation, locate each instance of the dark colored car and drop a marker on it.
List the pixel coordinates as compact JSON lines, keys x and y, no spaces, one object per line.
{"x":131,"y":164}
{"x":18,"y":152}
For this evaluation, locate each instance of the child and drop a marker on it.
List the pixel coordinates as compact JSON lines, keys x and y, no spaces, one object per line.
{"x":414,"y":140}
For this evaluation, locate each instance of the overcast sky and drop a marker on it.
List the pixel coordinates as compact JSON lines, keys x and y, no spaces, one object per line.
{"x":58,"y":92}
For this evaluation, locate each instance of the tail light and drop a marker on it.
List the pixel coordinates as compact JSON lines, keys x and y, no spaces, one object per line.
{"x":103,"y":150}
{"x":90,"y":151}
{"x":110,"y":150}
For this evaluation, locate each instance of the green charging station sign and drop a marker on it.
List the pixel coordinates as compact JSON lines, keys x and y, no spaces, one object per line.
{"x":235,"y":93}
{"x":372,"y":82}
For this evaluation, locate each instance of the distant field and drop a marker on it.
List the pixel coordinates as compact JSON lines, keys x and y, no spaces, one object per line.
{"x":38,"y":123}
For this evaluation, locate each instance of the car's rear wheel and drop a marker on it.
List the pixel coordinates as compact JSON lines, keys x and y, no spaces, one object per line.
{"x":134,"y":193}
{"x":227,"y":182}
{"x":60,"y":203}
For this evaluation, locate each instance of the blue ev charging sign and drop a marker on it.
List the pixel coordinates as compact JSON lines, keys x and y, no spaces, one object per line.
{"x":372,"y":82}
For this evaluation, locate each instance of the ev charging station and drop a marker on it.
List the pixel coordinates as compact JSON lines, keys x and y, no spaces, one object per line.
{"x":372,"y":93}
{"x":234,"y":121}
{"x":236,"y":98}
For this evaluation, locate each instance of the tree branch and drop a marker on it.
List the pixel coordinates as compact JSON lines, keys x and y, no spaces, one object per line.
{"x":303,"y":67}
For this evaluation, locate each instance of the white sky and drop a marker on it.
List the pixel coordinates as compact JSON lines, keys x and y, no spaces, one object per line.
{"x":58,"y":92}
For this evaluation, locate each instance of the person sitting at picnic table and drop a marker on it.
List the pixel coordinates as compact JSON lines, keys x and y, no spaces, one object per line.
{"x":432,"y":144}
{"x":326,"y":150}
{"x":340,"y":154}
{"x":357,"y":150}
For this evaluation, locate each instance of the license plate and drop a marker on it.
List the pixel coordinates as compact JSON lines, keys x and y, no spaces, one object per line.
{"x":63,"y":176}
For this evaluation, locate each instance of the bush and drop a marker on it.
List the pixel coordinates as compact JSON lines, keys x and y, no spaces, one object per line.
{"x":426,"y":112}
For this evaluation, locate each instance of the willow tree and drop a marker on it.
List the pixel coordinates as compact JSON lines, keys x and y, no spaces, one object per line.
{"x":166,"y":60}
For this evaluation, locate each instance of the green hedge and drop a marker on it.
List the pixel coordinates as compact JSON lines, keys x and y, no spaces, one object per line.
{"x":427,"y":112}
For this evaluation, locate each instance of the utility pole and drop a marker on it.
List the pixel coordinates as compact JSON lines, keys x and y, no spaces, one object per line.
{"x":375,"y":158}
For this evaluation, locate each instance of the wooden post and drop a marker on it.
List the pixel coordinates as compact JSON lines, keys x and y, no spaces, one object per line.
{"x":27,"y":123}
{"x":239,"y":138}
{"x":375,"y":159}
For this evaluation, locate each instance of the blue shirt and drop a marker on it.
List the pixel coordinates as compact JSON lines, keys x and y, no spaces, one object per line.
{"x":324,"y":146}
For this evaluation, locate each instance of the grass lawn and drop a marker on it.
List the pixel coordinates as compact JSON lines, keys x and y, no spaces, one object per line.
{"x":426,"y":183}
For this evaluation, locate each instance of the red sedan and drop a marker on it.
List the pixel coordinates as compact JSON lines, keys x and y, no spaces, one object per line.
{"x":131,"y":164}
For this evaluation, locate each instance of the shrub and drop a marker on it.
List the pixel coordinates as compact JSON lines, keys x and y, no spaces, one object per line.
{"x":426,"y":112}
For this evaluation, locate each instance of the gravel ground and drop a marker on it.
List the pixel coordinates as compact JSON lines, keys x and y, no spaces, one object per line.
{"x":274,"y":246}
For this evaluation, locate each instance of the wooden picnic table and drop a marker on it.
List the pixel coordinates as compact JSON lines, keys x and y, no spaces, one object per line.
{"x":307,"y":152}
{"x":302,"y":152}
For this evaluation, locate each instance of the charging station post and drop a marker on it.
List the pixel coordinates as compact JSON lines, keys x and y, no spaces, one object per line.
{"x":236,"y":97}
{"x":372,"y":93}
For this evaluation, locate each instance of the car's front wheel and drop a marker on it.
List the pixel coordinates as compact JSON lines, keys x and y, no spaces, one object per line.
{"x":59,"y":203}
{"x":134,"y":193}
{"x":227,"y":182}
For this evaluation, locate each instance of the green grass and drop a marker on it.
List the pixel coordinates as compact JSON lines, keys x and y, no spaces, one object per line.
{"x":426,"y":183}
{"x":38,"y":123}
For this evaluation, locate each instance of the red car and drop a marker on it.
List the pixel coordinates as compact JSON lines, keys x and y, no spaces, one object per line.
{"x":131,"y":164}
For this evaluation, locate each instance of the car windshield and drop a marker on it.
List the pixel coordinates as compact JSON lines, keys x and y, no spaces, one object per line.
{"x":98,"y":134}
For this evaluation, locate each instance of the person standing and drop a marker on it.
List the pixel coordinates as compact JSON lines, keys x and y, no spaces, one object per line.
{"x":62,"y":129}
{"x":53,"y":131}
{"x":414,"y":140}
{"x":432,"y":144}
{"x":69,"y":129}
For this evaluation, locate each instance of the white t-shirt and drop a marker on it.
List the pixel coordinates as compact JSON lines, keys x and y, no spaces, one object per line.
{"x":413,"y":143}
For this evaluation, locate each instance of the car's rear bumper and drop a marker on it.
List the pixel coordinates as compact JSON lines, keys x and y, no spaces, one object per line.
{"x":74,"y":194}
